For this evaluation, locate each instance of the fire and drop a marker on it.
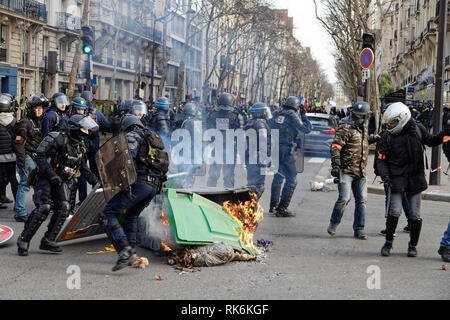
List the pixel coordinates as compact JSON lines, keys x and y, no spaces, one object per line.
{"x":247,"y":215}
{"x":164,"y":219}
{"x":165,"y":247}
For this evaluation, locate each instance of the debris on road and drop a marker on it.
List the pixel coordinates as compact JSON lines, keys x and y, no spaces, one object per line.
{"x":325,"y":186}
{"x":444,"y":267}
{"x":107,"y":249}
{"x":158,"y":277}
{"x":140,"y":263}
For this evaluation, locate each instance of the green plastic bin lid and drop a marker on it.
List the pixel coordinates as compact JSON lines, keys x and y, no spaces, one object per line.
{"x":195,"y":220}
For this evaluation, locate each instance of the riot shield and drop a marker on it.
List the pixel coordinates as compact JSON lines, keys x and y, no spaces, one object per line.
{"x":115,"y":166}
{"x":299,"y":153}
{"x":85,"y":221}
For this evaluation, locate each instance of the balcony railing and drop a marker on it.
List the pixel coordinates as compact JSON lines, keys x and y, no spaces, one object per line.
{"x":68,"y":21}
{"x":31,"y":9}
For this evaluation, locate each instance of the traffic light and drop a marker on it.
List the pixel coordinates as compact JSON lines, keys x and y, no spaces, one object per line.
{"x":88,"y":40}
{"x":368,"y":41}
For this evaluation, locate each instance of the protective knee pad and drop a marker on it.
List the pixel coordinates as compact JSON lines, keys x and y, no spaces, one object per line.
{"x":57,"y":221}
{"x":34,"y":221}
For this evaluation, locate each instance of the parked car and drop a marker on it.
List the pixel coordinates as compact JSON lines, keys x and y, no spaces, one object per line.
{"x":318,"y":141}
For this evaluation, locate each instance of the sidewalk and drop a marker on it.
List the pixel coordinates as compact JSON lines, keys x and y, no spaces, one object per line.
{"x":434,"y":193}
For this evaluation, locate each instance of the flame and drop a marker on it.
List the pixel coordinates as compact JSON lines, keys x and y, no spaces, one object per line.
{"x":247,"y":215}
{"x":164,"y":219}
{"x":165,"y":246}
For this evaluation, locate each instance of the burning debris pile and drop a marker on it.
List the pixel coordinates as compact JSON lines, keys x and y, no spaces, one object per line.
{"x":194,"y":231}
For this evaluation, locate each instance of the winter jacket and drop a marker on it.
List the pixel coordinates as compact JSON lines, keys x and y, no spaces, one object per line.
{"x":7,"y":123}
{"x":28,"y":137}
{"x":350,"y":148}
{"x":401,"y":157}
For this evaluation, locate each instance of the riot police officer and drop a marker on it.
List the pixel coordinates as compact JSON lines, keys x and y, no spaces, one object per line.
{"x":192,"y":124}
{"x":28,"y":137}
{"x":223,"y":117}
{"x":59,"y":158}
{"x":259,"y":115}
{"x":290,"y":127}
{"x":159,"y":120}
{"x":151,"y":163}
{"x":78,"y":106}
{"x":56,"y":117}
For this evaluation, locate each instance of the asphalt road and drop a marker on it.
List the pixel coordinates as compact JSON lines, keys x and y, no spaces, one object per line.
{"x":304,"y":262}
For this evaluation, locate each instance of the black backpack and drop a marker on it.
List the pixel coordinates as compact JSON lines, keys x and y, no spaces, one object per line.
{"x":152,"y":154}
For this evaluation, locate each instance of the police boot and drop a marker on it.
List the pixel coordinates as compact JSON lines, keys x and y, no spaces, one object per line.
{"x":391,"y":225}
{"x":34,"y":221}
{"x":416,"y":227}
{"x":286,"y":197}
{"x":275,"y":192}
{"x":127,"y":256}
{"x":56,"y":223}
{"x":49,"y":245}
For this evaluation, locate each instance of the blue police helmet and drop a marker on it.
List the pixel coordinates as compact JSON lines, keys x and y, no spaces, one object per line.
{"x":163,"y":103}
{"x":261,"y":111}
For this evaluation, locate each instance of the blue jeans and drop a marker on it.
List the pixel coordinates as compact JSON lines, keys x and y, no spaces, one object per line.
{"x":445,"y":242}
{"x":20,"y":208}
{"x":359,"y":188}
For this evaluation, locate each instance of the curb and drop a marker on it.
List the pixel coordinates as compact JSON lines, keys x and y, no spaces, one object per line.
{"x":442,"y":197}
{"x":430,"y":196}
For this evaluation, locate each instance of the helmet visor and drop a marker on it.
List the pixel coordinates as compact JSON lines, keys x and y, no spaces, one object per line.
{"x":139,"y":110}
{"x":61,"y":101}
{"x":89,"y":124}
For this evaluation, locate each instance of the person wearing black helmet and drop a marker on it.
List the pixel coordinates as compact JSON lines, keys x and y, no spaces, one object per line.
{"x":223,"y":117}
{"x":27,"y":139}
{"x":260,"y":114}
{"x":60,"y":158}
{"x":290,"y":126}
{"x":56,"y":117}
{"x":349,"y":155}
{"x":151,"y":164}
{"x":7,"y":155}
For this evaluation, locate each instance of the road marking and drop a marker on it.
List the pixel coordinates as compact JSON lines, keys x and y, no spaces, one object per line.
{"x":316,"y":160}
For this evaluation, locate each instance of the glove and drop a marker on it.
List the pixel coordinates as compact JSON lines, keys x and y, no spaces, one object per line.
{"x":302,"y":110}
{"x":55,"y":180}
{"x":335,"y":172}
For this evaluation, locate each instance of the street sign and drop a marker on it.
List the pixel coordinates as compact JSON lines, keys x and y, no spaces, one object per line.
{"x":366,"y":58}
{"x":365,"y":74}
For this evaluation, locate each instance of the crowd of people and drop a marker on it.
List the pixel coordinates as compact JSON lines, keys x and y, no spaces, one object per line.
{"x":54,"y":144}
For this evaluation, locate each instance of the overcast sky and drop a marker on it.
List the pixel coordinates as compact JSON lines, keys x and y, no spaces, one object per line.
{"x":309,"y":31}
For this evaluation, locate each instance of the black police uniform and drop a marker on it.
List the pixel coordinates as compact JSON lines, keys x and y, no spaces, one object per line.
{"x":60,"y":158}
{"x":290,"y":127}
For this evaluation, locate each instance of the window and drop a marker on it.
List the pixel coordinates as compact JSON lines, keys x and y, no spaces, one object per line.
{"x":3,"y":43}
{"x":178,"y":26}
{"x":25,"y":46}
{"x":44,"y":47}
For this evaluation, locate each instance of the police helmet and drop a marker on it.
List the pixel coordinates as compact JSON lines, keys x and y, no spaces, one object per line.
{"x":261,"y":111}
{"x":5,"y":104}
{"x":60,"y":101}
{"x":292,"y":103}
{"x":225,"y":99}
{"x":79,"y":105}
{"x":36,"y":101}
{"x":125,"y":107}
{"x":190,"y":109}
{"x":163,"y":104}
{"x":87,"y":95}
{"x":361,"y":108}
{"x":138,"y":108}
{"x":130,"y":120}
{"x":82,"y":123}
